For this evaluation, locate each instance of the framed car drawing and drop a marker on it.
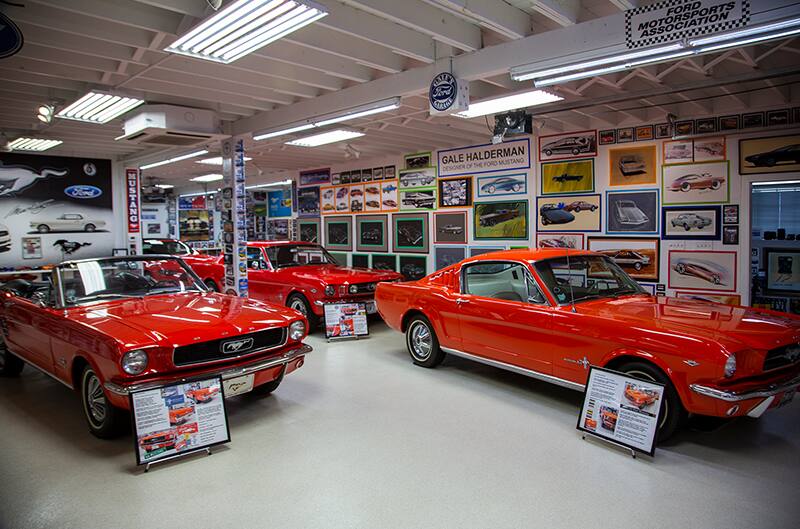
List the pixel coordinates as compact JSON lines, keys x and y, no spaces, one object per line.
{"x":644,"y":133}
{"x":775,"y":154}
{"x":389,"y":195}
{"x":578,"y":144}
{"x":501,"y":220}
{"x":418,"y":199}
{"x":702,"y":270}
{"x":569,"y":213}
{"x":633,"y":165}
{"x":308,"y":230}
{"x":422,"y":178}
{"x":638,"y":256}
{"x":371,"y":233}
{"x":447,"y":255}
{"x":502,"y":185}
{"x":710,"y":149}
{"x":385,"y":261}
{"x":356,"y":198}
{"x":632,"y":212}
{"x":561,"y":178}
{"x":338,"y":232}
{"x":413,"y":267}
{"x":455,"y":192}
{"x":698,"y":183}
{"x":410,"y":232}
{"x":450,"y":228}
{"x":417,"y":160}
{"x":573,"y":241}
{"x":608,"y":137}
{"x":691,"y":222}
{"x":677,"y":151}
{"x":372,"y":196}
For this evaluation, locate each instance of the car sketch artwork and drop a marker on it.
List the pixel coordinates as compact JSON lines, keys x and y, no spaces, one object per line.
{"x":632,"y":164}
{"x":628,"y":213}
{"x":690,"y":220}
{"x":452,"y":229}
{"x":628,"y":258}
{"x":503,"y":184}
{"x":569,"y":145}
{"x":700,"y":269}
{"x":580,"y":205}
{"x":416,"y":179}
{"x":553,"y":214}
{"x":498,"y":216}
{"x":787,"y":154}
{"x":566,"y":177}
{"x":692,"y":181}
{"x":67,"y":222}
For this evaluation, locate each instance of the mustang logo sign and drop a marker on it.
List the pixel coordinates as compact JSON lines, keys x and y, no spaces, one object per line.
{"x":70,"y":247}
{"x":237,"y":346}
{"x":16,"y":179}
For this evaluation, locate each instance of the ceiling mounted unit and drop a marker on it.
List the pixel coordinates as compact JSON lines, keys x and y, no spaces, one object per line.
{"x":172,"y":126}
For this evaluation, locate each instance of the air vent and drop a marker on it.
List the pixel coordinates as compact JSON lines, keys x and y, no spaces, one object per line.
{"x":167,"y":125}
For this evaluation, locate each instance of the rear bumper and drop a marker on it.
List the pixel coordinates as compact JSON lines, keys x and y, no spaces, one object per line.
{"x":285,"y":362}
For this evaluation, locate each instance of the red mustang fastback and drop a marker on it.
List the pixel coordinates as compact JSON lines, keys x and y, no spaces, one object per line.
{"x":539,"y":313}
{"x":106,"y":328}
{"x":302,"y":276}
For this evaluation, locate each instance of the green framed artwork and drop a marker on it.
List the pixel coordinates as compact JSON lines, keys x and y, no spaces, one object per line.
{"x":695,"y":183}
{"x":384,"y":261}
{"x":308,"y":230}
{"x":410,"y":232}
{"x":338,"y":233}
{"x":341,"y":257}
{"x":501,"y":220}
{"x":359,"y":260}
{"x":413,"y":267}
{"x":371,"y":233}
{"x":563,"y":178}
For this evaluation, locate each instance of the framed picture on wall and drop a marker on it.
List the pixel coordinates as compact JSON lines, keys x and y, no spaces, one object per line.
{"x":782,"y":267}
{"x":455,"y":192}
{"x":608,"y":137}
{"x":730,"y":214}
{"x":577,"y":144}
{"x":697,"y":183}
{"x":777,"y":118}
{"x":315,"y":177}
{"x":371,"y":233}
{"x":632,"y":212}
{"x":710,"y":149}
{"x":705,"y":125}
{"x":678,"y":151}
{"x":691,"y":222}
{"x":730,"y":235}
{"x":727,"y":123}
{"x":308,"y":230}
{"x":450,"y":228}
{"x":684,"y":128}
{"x":773,"y":154}
{"x":417,"y":199}
{"x":753,"y":120}
{"x":644,"y":133}
{"x":417,"y":160}
{"x":338,"y":232}
{"x":447,"y":255}
{"x":502,"y":185}
{"x":639,"y":256}
{"x":359,"y":260}
{"x":384,"y":261}
{"x":625,"y":135}
{"x":569,"y":213}
{"x":573,"y":176}
{"x":725,"y":299}
{"x":663,"y":130}
{"x":702,"y":270}
{"x":573,"y":241}
{"x":632,"y":165}
{"x":413,"y":267}
{"x":377,"y":173}
{"x":501,"y":220}
{"x":410,"y":232}
{"x":31,"y":247}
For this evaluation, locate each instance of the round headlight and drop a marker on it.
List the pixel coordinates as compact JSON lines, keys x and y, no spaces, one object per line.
{"x":330,"y":290}
{"x":297,"y":330}
{"x":730,"y":366}
{"x":134,"y":362}
{"x":353,"y":289}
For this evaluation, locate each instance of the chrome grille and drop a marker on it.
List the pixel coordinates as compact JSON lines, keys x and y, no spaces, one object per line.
{"x":782,"y":356}
{"x":222,"y":349}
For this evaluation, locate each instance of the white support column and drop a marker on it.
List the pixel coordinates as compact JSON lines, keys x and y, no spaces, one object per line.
{"x":234,"y":223}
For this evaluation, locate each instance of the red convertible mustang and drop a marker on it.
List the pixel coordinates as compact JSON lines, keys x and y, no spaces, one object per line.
{"x":302,"y":276}
{"x":537,"y":313}
{"x":106,"y":328}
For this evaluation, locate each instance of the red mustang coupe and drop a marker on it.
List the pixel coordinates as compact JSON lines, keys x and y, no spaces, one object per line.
{"x":196,"y":260}
{"x":540,"y":314}
{"x":302,"y":276}
{"x":106,"y":328}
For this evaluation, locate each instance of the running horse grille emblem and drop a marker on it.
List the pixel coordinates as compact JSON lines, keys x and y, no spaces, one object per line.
{"x":237,"y":346}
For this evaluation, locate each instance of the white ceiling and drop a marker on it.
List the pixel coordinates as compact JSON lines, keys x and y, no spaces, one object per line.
{"x":72,"y":45}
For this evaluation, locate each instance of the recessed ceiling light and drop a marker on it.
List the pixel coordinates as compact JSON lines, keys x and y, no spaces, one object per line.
{"x":164,"y":186}
{"x":501,"y":104}
{"x":173,"y":160}
{"x":33,"y":144}
{"x":325,"y":138}
{"x":245,"y":26}
{"x":207,"y":178}
{"x":217,"y":160}
{"x":97,"y":107}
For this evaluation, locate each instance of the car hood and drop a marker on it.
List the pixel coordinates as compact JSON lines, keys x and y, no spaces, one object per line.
{"x":342,"y":275}
{"x":180,"y":319}
{"x":735,"y":328}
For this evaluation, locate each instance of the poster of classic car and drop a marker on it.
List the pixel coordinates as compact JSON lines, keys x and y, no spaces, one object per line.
{"x":505,"y":185}
{"x":501,"y":220}
{"x":55,"y":198}
{"x":632,"y":211}
{"x":575,"y":176}
{"x":568,"y":213}
{"x":450,"y":227}
{"x":702,"y":270}
{"x":776,"y":154}
{"x":410,"y":233}
{"x":578,"y":144}
{"x":371,"y":233}
{"x":697,"y":183}
{"x":634,"y":165}
{"x":639,"y":257}
{"x":691,"y":222}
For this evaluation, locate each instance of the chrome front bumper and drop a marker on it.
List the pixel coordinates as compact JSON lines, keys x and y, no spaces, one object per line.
{"x":260,"y":365}
{"x":737,"y":396}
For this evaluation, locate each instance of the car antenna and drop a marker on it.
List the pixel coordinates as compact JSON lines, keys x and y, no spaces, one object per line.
{"x":569,"y":282}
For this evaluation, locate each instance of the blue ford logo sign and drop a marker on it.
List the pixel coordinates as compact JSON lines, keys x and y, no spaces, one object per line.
{"x":10,"y":37}
{"x":443,"y":91}
{"x":83,"y":191}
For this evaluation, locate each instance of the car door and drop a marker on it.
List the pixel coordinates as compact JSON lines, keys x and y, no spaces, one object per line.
{"x":258,"y":274}
{"x":503,"y":315}
{"x":29,"y":328}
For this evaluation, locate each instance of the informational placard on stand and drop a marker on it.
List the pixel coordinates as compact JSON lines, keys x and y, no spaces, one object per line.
{"x":176,"y":420}
{"x":345,"y":320}
{"x":621,"y":409}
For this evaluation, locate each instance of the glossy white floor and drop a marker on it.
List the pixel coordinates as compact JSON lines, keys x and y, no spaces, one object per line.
{"x":359,"y":437}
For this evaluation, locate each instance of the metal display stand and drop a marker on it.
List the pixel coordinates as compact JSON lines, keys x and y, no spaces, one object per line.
{"x":207,"y":450}
{"x":609,"y":441}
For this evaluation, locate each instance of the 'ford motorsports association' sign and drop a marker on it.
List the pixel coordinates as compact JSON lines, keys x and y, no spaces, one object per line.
{"x":488,"y":158}
{"x":672,"y":20}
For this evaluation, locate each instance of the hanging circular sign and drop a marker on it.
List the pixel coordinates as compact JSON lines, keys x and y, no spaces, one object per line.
{"x":10,"y":37}
{"x":443,"y":91}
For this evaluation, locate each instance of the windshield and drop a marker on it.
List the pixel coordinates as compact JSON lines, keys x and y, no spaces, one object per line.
{"x":298,"y":254}
{"x":586,"y":277}
{"x":153,"y":247}
{"x":89,"y":281}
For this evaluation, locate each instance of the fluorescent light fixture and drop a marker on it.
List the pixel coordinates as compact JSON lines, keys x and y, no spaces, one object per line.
{"x":33,"y":144}
{"x":245,"y":26}
{"x":524,"y":73}
{"x":173,"y":160}
{"x":217,"y":160}
{"x":747,"y":41}
{"x":747,"y":32}
{"x":777,"y":183}
{"x":325,"y":138}
{"x":164,"y":186}
{"x":501,"y":104}
{"x":361,"y":111}
{"x":273,"y":184}
{"x":207,"y":178}
{"x":97,"y":107}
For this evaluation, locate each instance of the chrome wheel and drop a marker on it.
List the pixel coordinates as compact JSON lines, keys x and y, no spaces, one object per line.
{"x":94,"y":400}
{"x":646,"y":376}
{"x":298,"y":305}
{"x":420,"y":340}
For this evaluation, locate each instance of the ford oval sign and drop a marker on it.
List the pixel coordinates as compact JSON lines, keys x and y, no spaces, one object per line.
{"x":10,"y":37}
{"x":83,"y":191}
{"x":443,"y":91}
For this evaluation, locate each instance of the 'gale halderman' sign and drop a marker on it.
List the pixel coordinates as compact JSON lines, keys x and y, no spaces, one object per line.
{"x":672,"y":20}
{"x":488,"y":158}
